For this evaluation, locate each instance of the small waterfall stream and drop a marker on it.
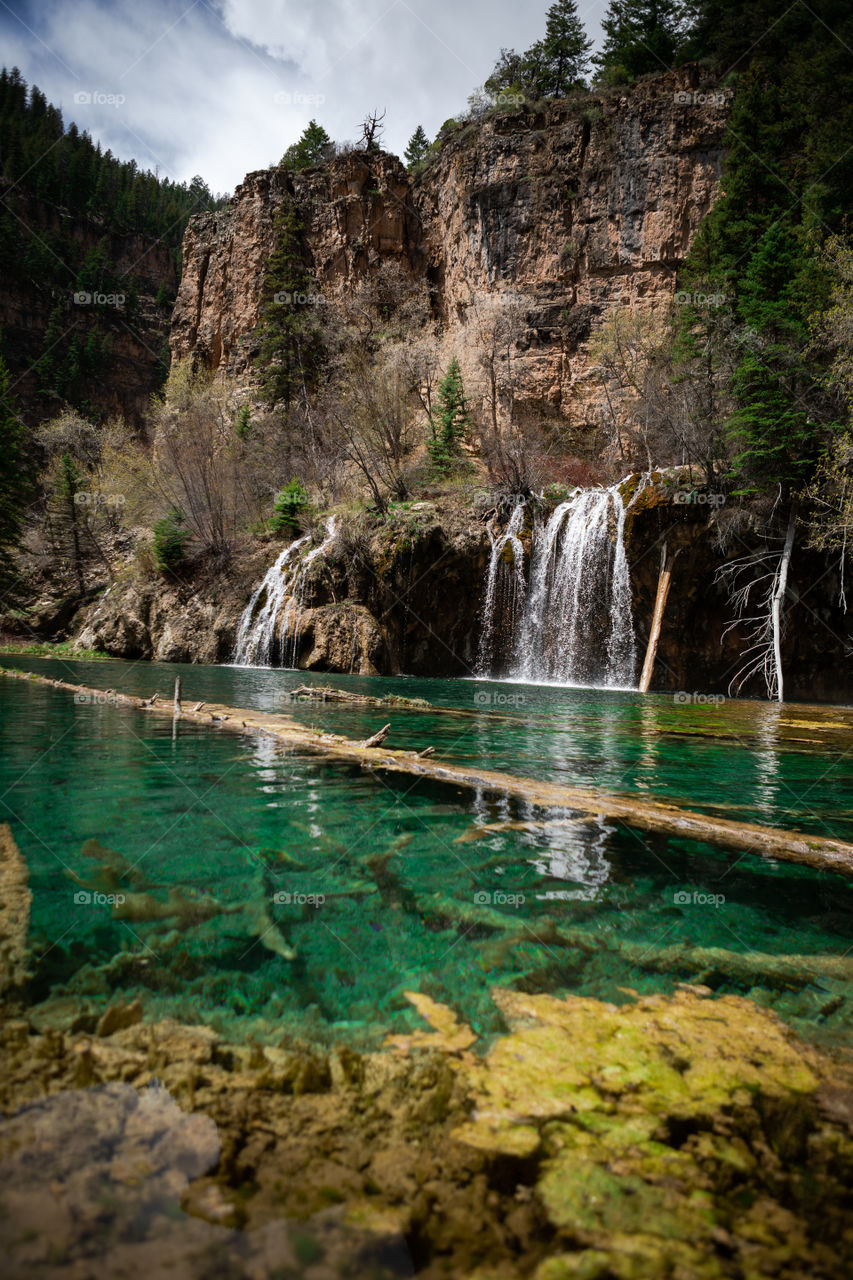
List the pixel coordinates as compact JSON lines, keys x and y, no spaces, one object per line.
{"x":505,"y":586}
{"x":575,"y":625}
{"x":269,"y":626}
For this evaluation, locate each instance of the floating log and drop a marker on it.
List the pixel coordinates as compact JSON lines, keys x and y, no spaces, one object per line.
{"x":655,"y":816}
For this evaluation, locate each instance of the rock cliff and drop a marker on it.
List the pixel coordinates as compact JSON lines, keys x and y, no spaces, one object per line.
{"x":564,"y":212}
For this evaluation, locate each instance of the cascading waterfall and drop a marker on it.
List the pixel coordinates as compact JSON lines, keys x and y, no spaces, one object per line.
{"x":505,"y":586}
{"x":270,"y":623}
{"x":576,"y":625}
{"x":580,"y":596}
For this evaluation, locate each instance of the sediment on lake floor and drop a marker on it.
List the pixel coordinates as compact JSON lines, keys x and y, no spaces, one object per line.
{"x":655,"y":817}
{"x":675,"y":1136}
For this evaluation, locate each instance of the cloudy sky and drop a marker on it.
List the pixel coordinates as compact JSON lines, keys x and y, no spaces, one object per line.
{"x":220,"y":87}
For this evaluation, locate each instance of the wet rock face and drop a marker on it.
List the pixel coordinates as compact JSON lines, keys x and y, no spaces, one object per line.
{"x":567,"y":211}
{"x":405,"y":596}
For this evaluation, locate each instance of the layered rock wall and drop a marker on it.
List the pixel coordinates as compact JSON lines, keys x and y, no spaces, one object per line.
{"x":561,"y":213}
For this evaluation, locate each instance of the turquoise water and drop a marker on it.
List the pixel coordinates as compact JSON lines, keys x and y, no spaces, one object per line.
{"x":383,"y":896}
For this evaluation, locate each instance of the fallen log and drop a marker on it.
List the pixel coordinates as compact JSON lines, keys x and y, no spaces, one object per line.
{"x":654,"y":816}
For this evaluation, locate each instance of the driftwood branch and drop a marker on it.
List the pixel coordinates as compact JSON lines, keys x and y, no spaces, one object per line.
{"x":377,"y":738}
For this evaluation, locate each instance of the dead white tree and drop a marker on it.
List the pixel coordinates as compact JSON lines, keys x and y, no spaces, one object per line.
{"x":758,"y":585}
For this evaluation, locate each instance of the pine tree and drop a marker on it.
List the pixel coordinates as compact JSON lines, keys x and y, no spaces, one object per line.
{"x":450,"y":422}
{"x":66,"y":493}
{"x":15,"y":478}
{"x":418,"y":149}
{"x":565,"y":51}
{"x":312,"y":148}
{"x":291,"y":336}
{"x":513,"y":73}
{"x":641,"y":37}
{"x":774,"y":426}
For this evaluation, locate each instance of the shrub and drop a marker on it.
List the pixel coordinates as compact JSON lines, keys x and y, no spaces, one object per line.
{"x":285,"y":516}
{"x":170,"y":536}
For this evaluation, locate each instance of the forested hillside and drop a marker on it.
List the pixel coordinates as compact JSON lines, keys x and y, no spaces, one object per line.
{"x":89,"y":260}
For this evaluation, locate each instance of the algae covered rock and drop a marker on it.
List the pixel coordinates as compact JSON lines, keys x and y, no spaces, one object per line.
{"x":673,"y":1138}
{"x":15,"y":902}
{"x":677,"y":1136}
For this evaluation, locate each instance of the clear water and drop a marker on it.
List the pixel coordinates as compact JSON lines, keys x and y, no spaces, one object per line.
{"x":243,"y":822}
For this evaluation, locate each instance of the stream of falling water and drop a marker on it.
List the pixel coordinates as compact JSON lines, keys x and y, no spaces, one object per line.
{"x":574,"y":624}
{"x":504,"y":590}
{"x":270,"y":623}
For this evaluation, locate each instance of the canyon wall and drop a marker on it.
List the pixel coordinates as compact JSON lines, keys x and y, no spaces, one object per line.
{"x":557,"y":214}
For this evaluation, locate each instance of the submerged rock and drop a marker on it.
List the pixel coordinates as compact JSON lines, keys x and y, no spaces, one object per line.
{"x":673,"y":1137}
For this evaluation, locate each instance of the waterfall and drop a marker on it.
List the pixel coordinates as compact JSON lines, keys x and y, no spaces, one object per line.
{"x":576,"y":625}
{"x":505,"y":586}
{"x":270,"y":623}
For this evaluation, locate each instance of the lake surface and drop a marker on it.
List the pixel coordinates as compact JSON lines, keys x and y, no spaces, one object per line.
{"x":376,"y":884}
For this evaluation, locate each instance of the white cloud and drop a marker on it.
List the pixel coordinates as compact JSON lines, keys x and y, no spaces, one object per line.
{"x":220,"y":88}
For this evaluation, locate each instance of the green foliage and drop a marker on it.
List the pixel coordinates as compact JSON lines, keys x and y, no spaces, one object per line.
{"x":79,"y":186}
{"x":552,"y":67}
{"x":313,"y":147}
{"x":450,"y":422}
{"x":243,"y":423}
{"x":566,"y":47}
{"x":418,"y":149}
{"x":286,"y":509}
{"x":170,"y":537}
{"x":789,"y":171}
{"x":15,"y":477}
{"x":291,"y":351}
{"x":65,"y":168}
{"x":641,"y":37}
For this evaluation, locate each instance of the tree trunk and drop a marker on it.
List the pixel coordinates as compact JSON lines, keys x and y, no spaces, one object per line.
{"x":779,"y":590}
{"x":664,"y":581}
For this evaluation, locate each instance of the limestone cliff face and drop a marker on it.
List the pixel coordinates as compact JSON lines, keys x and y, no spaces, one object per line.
{"x":569,"y":213}
{"x":566,"y":213}
{"x":357,"y":212}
